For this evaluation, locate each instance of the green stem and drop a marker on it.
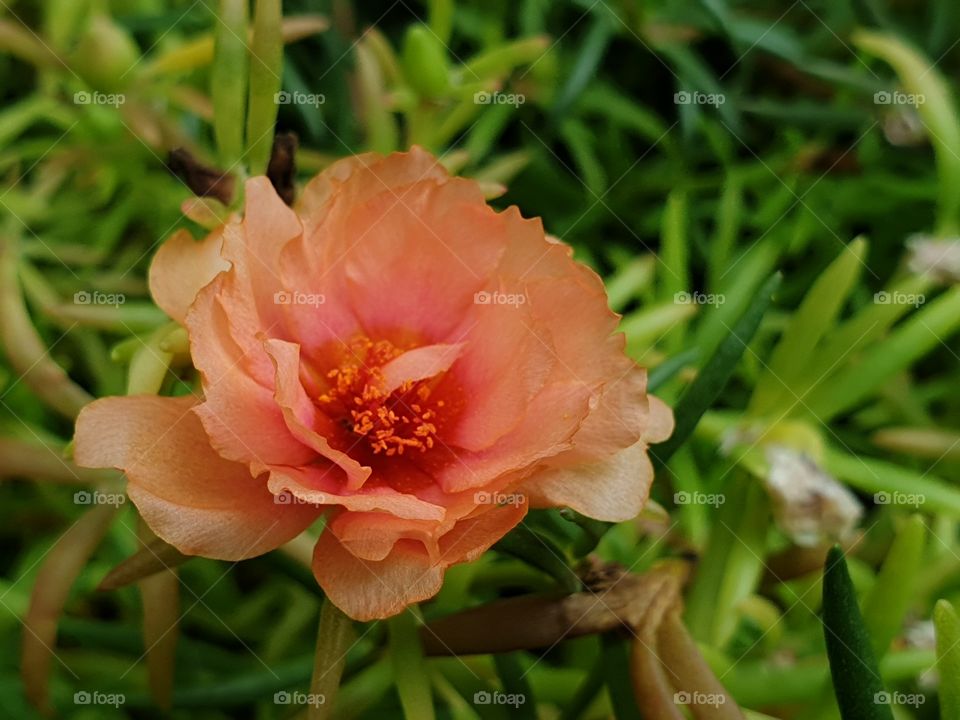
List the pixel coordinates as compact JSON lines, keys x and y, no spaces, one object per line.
{"x":334,"y":639}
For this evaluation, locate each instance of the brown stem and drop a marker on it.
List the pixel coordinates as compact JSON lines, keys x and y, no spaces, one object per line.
{"x":535,"y":621}
{"x":690,"y":674}
{"x":27,"y":352}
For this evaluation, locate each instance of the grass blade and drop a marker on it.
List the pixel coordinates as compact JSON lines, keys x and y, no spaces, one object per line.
{"x":856,"y":677}
{"x":704,"y":390}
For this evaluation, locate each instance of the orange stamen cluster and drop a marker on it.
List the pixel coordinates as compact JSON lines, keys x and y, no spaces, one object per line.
{"x":391,"y":421}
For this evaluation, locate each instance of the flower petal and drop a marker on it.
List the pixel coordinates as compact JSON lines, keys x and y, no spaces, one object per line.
{"x":614,"y":489}
{"x":181,"y":268}
{"x":369,"y":589}
{"x":320,"y":486}
{"x":190,"y":496}
{"x":301,"y":414}
{"x":419,"y":364}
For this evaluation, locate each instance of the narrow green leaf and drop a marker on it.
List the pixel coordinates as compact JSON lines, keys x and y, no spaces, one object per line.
{"x":266,"y":66}
{"x":921,"y":333}
{"x":737,"y":286}
{"x":947,"y":626}
{"x":228,"y":80}
{"x":729,"y":215}
{"x":868,"y":325}
{"x":674,"y":252}
{"x":856,"y":677}
{"x":888,"y":601}
{"x":810,"y":322}
{"x":615,"y":658}
{"x":542,"y":553}
{"x":440,"y":14}
{"x":382,"y":133}
{"x":409,"y":671}
{"x":625,"y":284}
{"x":513,"y":678}
{"x":937,"y":110}
{"x":588,"y":57}
{"x":901,"y":485}
{"x":714,"y":376}
{"x":425,"y":64}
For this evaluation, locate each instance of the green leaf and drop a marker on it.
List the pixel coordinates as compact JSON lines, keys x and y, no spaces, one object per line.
{"x":513,"y":678}
{"x":856,"y":677}
{"x":701,"y":393}
{"x":588,"y":57}
{"x":615,"y":658}
{"x":947,"y":626}
{"x":889,"y":599}
{"x":425,"y":63}
{"x":266,"y":66}
{"x":922,"y":332}
{"x":938,"y":113}
{"x":878,"y":476}
{"x":540,"y":552}
{"x":228,"y":80}
{"x":810,"y":322}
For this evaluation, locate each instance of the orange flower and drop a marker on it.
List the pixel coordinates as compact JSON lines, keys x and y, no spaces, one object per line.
{"x":394,"y":355}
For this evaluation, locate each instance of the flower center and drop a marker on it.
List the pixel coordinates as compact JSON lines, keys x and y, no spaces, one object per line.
{"x":391,"y":420}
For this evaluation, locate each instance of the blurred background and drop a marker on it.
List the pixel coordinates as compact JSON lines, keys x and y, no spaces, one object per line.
{"x":688,"y":150}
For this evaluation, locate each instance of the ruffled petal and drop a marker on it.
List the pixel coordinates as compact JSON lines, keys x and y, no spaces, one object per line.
{"x":189,"y":495}
{"x":181,"y":268}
